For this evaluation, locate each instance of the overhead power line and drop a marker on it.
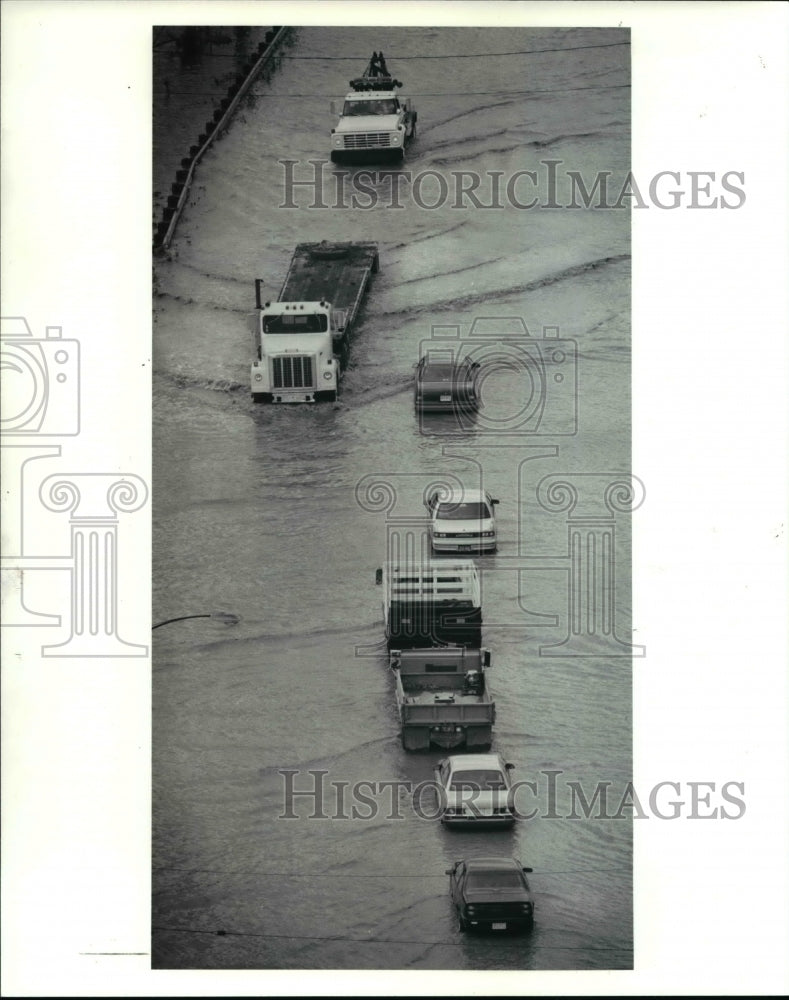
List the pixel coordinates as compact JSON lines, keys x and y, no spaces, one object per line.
{"x":421,"y":93}
{"x":461,"y":55}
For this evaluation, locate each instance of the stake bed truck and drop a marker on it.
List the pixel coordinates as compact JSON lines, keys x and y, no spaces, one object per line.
{"x":433,"y":630}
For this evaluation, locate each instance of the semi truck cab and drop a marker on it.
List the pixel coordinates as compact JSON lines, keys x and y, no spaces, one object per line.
{"x":296,"y":359}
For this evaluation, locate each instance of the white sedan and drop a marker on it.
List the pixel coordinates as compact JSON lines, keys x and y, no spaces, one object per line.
{"x":475,"y":788}
{"x":465,"y":522}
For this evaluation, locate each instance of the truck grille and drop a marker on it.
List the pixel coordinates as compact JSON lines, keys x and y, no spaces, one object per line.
{"x":293,"y":372}
{"x":367,"y":140}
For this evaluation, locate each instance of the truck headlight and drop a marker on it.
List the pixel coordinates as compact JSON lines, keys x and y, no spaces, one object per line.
{"x":327,"y":375}
{"x":258,"y":377}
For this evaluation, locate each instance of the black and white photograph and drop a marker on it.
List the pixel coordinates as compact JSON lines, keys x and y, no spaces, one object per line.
{"x":434,"y":381}
{"x":394,"y":513}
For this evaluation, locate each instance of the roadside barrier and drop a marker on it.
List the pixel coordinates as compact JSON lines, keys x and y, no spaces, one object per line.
{"x":184,"y":177}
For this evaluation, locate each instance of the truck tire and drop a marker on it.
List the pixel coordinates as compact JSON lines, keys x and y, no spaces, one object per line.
{"x":326,"y":250}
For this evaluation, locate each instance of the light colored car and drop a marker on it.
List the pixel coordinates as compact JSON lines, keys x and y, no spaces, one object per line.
{"x":475,"y":788}
{"x":491,"y":894}
{"x":462,"y":522}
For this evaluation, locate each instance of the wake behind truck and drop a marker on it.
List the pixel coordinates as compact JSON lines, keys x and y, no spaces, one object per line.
{"x":433,"y":621}
{"x":374,"y":123}
{"x":302,"y":340}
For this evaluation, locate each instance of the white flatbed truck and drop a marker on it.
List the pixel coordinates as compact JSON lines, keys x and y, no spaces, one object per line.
{"x":374,"y":124}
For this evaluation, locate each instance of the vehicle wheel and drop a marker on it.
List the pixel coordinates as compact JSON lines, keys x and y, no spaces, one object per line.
{"x":413,"y":130}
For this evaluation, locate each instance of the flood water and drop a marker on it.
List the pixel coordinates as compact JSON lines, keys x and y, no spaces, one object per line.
{"x":273,"y":513}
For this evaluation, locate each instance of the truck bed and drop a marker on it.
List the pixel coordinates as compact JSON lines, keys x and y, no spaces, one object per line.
{"x":333,"y":272}
{"x":428,"y":698}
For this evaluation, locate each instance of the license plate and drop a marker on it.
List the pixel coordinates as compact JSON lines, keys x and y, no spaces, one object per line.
{"x":499,"y":927}
{"x":446,"y":399}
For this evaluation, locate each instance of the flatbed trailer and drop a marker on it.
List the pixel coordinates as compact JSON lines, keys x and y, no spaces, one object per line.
{"x":336,"y":272}
{"x":303,"y":339}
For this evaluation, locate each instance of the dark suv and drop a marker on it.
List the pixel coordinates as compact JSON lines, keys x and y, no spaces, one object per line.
{"x":491,"y":894}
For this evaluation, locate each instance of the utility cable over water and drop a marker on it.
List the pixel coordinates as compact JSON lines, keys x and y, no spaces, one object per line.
{"x":226,"y":617}
{"x":456,"y":56}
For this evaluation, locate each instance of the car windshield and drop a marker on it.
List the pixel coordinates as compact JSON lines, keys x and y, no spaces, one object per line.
{"x":296,"y":323}
{"x":463,"y":511}
{"x":481,"y":879}
{"x":371,"y":107}
{"x":476,"y":780}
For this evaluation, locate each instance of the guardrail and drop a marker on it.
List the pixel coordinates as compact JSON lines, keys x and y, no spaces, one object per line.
{"x":184,"y":177}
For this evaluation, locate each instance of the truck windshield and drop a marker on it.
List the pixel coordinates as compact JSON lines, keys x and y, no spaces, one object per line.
{"x":387,"y":106}
{"x":462,"y":511}
{"x":296,"y":323}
